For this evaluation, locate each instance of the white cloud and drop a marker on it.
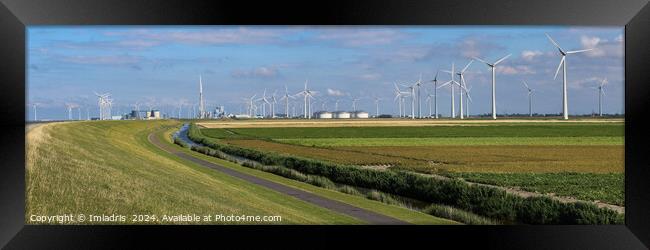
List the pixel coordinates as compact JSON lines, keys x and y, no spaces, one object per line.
{"x":619,"y":38}
{"x":602,"y":47}
{"x":592,"y":43}
{"x":529,"y":55}
{"x":100,"y":60}
{"x":335,"y":92}
{"x":260,"y":72}
{"x":516,"y":70}
{"x":361,"y":37}
{"x":201,"y":36}
{"x":370,"y":76}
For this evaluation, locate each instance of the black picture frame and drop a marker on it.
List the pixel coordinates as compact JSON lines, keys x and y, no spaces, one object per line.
{"x":15,"y":15}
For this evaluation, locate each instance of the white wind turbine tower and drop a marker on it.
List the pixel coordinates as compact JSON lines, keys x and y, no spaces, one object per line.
{"x":354,"y":104}
{"x":451,"y":86}
{"x":418,"y":84}
{"x":399,"y":97}
{"x":34,"y":107}
{"x":468,"y":100}
{"x":251,"y":105}
{"x":306,"y":93}
{"x":494,"y":93}
{"x":565,"y":109}
{"x":601,"y":94}
{"x":264,"y":103}
{"x":273,"y":102}
{"x":336,"y":105}
{"x":69,"y":107}
{"x":286,"y":97}
{"x":377,"y":99}
{"x":461,"y":76}
{"x":311,"y":104}
{"x":412,"y":94}
{"x":109,"y":106}
{"x":428,"y":100}
{"x":530,"y":98}
{"x":435,"y":95}
{"x":201,"y":103}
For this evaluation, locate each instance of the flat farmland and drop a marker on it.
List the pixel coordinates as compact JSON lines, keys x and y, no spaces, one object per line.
{"x":455,"y":131}
{"x":548,"y":157}
{"x":483,"y":159}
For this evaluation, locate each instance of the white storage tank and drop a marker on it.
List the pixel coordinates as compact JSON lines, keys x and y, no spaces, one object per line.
{"x":361,"y":114}
{"x":342,"y":115}
{"x":324,"y":115}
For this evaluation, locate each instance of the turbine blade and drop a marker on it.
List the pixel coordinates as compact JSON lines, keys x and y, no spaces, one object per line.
{"x":554,"y":43}
{"x":466,"y":66}
{"x":578,"y":51}
{"x":500,"y":60}
{"x":558,"y":67}
{"x":525,"y":84}
{"x":481,"y":60}
{"x":445,"y":84}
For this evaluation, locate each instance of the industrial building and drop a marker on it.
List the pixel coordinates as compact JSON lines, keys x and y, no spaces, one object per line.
{"x":144,"y":115}
{"x":341,"y":115}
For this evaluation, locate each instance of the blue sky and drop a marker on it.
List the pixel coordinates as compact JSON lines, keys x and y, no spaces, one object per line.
{"x":160,"y":65}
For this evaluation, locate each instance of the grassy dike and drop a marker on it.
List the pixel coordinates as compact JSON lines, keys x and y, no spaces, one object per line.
{"x":395,"y":211}
{"x":109,"y":167}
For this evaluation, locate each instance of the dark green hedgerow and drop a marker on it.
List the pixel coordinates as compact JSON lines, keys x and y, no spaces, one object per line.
{"x":181,"y":142}
{"x":485,"y":201}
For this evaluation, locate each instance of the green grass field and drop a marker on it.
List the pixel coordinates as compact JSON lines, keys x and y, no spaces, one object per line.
{"x":447,"y":141}
{"x":584,"y":186}
{"x":563,"y":152}
{"x":110,"y":167}
{"x":496,"y":130}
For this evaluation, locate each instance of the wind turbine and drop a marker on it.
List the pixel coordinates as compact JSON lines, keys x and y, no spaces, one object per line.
{"x":461,"y":76}
{"x":34,"y":107}
{"x":530,"y":98}
{"x":307,"y":94}
{"x":428,"y":100}
{"x":565,"y":109}
{"x":601,"y":94}
{"x":412,"y":93}
{"x":201,"y":104}
{"x":265,"y":102}
{"x":336,"y":104}
{"x":494,"y":93}
{"x":273,"y":102}
{"x":417,"y":85}
{"x":435,"y":95}
{"x":68,"y":107}
{"x":399,"y":96}
{"x":250,"y":103}
{"x":377,"y":99}
{"x":286,"y":97}
{"x":451,"y":86}
{"x":354,"y":104}
{"x":468,"y":100}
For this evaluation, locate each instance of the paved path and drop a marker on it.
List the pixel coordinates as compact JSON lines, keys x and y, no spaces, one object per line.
{"x":359,"y":213}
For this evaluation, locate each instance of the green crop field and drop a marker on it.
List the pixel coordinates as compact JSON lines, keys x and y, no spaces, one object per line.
{"x":109,"y":167}
{"x":585,"y":186}
{"x":494,"y":154}
{"x":500,"y":130}
{"x":442,"y":141}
